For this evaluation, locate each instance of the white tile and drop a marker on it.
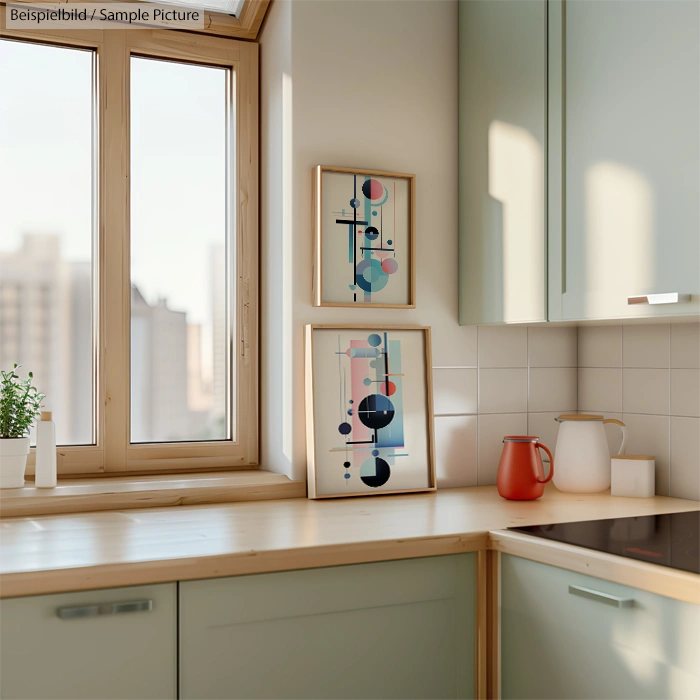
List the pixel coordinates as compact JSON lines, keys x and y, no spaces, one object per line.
{"x":492,"y":430}
{"x":502,"y":346}
{"x":646,"y":346}
{"x":502,"y":390}
{"x":455,"y":451}
{"x":552,"y":346}
{"x":685,"y":392}
{"x":546,"y":429}
{"x":651,"y":435}
{"x":600,"y":346}
{"x":685,"y":458}
{"x":599,"y":389}
{"x":685,"y":345}
{"x":646,"y":391}
{"x":452,"y":345}
{"x":552,"y":389}
{"x":454,"y":391}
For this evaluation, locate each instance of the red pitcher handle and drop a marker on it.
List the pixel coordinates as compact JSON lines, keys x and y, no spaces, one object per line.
{"x":551,"y":463}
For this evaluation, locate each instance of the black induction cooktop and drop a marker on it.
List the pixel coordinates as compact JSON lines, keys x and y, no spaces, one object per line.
{"x":670,"y":540}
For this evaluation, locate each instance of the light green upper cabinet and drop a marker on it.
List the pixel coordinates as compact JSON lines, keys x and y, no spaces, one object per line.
{"x":626,"y":139}
{"x":502,"y":141}
{"x":579,"y":153}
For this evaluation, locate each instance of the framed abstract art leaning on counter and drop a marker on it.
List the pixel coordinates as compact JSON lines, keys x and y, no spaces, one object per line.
{"x":369,"y":413}
{"x":364,"y":238}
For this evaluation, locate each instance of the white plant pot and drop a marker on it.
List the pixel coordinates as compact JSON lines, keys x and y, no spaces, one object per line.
{"x":13,"y":462}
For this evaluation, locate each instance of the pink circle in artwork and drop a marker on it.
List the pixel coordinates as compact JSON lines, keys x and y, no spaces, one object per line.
{"x":372,"y":189}
{"x":390,"y":266}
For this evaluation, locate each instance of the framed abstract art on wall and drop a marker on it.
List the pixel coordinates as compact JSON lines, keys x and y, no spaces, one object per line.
{"x":364,"y":238}
{"x":369,"y":416}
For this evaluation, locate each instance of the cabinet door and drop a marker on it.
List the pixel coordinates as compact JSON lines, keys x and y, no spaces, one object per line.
{"x":58,"y":646}
{"x":502,"y":138}
{"x":631,"y":148}
{"x":557,"y":643}
{"x":402,"y":629}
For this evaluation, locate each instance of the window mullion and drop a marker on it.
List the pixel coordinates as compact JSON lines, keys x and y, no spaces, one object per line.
{"x":114,"y":248}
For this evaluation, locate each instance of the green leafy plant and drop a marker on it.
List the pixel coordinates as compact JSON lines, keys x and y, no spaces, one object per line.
{"x":19,"y":404}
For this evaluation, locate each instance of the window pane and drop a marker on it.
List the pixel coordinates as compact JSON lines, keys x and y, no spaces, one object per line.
{"x":179,"y":347}
{"x":46,"y":227}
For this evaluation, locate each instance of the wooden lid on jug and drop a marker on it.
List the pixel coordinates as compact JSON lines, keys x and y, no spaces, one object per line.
{"x":577,"y":416}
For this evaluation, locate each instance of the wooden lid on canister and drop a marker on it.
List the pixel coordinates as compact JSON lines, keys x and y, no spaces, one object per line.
{"x":633,"y":457}
{"x":46,"y":415}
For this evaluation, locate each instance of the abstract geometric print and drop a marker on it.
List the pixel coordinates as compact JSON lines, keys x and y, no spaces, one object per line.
{"x":371,"y":408}
{"x":368,"y":410}
{"x":373,"y":256}
{"x":365,"y":239}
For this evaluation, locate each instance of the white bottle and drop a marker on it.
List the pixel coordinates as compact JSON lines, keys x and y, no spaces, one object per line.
{"x":45,"y":452}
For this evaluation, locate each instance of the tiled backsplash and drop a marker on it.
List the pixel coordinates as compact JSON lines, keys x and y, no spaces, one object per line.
{"x":648,"y":376}
{"x":524,"y":378}
{"x":645,"y":375}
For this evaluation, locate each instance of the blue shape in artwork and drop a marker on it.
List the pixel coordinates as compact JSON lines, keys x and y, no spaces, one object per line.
{"x":393,"y":434}
{"x":375,"y":472}
{"x":354,"y":203}
{"x":389,"y":242}
{"x":367,"y":381}
{"x":374,"y":213}
{"x":347,"y":476}
{"x":349,"y":411}
{"x":369,"y":275}
{"x":344,"y":428}
{"x":363,"y":352}
{"x":351,"y":401}
{"x":375,"y":340}
{"x":376,"y":411}
{"x":375,"y":453}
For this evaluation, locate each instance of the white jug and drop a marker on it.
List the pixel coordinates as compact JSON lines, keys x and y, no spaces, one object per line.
{"x":582,"y":454}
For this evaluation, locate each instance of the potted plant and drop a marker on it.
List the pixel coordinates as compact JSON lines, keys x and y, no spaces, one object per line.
{"x":19,"y":406}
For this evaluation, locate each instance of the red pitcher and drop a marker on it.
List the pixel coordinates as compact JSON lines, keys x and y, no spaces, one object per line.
{"x":520,"y":471}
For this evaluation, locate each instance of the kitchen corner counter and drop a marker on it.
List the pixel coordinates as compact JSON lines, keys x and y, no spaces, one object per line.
{"x":58,"y":553}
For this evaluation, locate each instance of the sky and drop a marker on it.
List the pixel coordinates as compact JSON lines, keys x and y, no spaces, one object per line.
{"x":178,"y":165}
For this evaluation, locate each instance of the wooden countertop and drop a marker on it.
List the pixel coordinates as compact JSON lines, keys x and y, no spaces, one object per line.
{"x":56,"y":553}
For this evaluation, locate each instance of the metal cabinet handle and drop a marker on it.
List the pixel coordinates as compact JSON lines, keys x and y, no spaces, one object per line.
{"x":602,"y":597}
{"x":73,"y":612}
{"x":667,"y":298}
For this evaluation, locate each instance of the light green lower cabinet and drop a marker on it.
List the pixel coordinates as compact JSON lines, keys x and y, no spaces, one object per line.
{"x":96,"y":645}
{"x":562,"y":643}
{"x":401,"y":629}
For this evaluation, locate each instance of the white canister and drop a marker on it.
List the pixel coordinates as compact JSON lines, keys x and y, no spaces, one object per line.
{"x":632,"y":476}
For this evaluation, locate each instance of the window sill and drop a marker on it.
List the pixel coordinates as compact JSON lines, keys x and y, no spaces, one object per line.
{"x":120,"y":493}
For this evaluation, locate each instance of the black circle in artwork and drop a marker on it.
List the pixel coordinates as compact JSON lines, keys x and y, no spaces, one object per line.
{"x":382,"y":473}
{"x":346,"y":465}
{"x":372,"y":232}
{"x":375,"y":411}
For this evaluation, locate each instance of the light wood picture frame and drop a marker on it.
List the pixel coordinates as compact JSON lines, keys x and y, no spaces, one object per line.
{"x":369,"y":410}
{"x":364,"y":232}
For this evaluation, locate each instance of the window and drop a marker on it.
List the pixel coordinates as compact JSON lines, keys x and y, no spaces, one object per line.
{"x":128,"y":243}
{"x":47,"y":220}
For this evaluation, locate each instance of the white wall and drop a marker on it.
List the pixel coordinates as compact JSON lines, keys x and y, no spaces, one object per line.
{"x":372,"y":83}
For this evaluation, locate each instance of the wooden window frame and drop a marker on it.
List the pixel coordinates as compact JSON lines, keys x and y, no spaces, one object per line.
{"x":113,"y":454}
{"x":246,"y":27}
